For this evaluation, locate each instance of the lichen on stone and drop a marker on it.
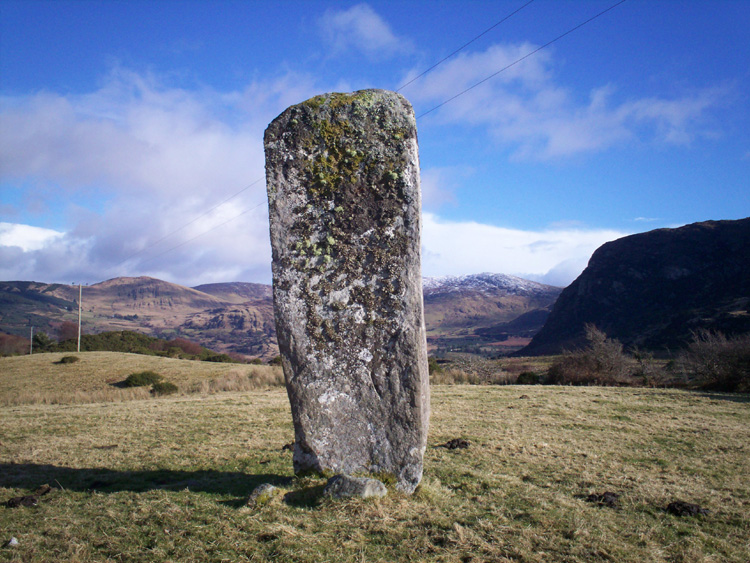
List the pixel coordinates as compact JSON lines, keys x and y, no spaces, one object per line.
{"x":344,"y":203}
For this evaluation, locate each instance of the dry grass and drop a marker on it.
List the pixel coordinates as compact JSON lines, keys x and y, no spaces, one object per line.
{"x":166,"y":480}
{"x":456,"y":376}
{"x":95,"y":378}
{"x":476,"y":370}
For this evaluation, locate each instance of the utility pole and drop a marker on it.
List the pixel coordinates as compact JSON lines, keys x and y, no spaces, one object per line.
{"x":31,"y":342}
{"x":80,"y":293}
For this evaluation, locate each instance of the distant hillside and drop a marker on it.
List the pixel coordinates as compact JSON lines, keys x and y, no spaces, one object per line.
{"x":478,"y":311}
{"x":651,"y":290}
{"x":225,"y":322}
{"x":237,"y":292}
{"x":237,"y":317}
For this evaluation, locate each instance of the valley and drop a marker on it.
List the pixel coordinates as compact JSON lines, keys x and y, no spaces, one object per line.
{"x":238,"y":318}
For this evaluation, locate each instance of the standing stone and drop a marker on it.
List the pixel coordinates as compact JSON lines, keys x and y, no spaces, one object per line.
{"x":342,"y":172}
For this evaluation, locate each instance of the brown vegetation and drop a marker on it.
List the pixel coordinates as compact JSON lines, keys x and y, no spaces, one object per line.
{"x":11,"y":345}
{"x":716,"y":362}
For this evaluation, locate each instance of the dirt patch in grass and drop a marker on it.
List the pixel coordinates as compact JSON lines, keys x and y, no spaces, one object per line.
{"x":169,"y":479}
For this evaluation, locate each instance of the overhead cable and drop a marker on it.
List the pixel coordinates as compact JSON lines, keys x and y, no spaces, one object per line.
{"x":526,"y":56}
{"x":183,"y":243}
{"x":153,"y":244}
{"x":441,"y":61}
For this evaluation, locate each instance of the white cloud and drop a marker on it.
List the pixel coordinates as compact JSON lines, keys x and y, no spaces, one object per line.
{"x":554,"y":256}
{"x":239,"y":249}
{"x":164,"y":156}
{"x":526,"y":109}
{"x":155,"y":158}
{"x":26,"y":237}
{"x":132,"y":135}
{"x":360,"y":28}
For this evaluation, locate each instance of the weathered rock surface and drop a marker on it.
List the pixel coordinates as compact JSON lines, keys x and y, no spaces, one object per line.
{"x":654,"y":290}
{"x":343,"y":486}
{"x":261,"y":495}
{"x":342,"y":173}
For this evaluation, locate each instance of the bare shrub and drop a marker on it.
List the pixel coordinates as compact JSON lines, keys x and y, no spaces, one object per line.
{"x":11,"y":345}
{"x":715,"y":362}
{"x":528,"y":378}
{"x":648,"y":372}
{"x":454,"y":376}
{"x":67,"y":331}
{"x":602,"y":362}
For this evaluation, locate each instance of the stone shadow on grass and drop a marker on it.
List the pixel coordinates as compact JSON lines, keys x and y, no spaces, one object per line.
{"x":720,"y":396}
{"x":30,"y":476}
{"x":307,"y":497}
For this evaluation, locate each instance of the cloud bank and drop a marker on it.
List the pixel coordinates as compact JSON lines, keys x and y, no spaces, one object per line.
{"x":526,"y":109}
{"x":553,"y":256}
{"x":157,"y":159}
{"x":238,"y":250}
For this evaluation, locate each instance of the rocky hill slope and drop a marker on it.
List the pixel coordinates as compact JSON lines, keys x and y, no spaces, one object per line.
{"x":227,"y":317}
{"x":479,"y":312}
{"x":652,"y":290}
{"x":238,"y":317}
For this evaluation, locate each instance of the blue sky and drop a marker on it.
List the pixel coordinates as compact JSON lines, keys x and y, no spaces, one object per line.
{"x":124,"y":123}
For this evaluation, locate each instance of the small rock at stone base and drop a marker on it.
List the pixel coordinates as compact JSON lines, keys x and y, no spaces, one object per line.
{"x":681,"y":508}
{"x":342,"y":486}
{"x":13,"y":542}
{"x":261,"y":495}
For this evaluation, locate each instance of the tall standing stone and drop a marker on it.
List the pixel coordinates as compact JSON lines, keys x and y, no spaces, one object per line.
{"x":342,"y":173}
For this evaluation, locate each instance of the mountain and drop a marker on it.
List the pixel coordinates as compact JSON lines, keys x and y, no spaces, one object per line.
{"x":477,"y":312}
{"x":653,"y":290}
{"x":237,"y":317}
{"x":237,"y":292}
{"x":227,"y":317}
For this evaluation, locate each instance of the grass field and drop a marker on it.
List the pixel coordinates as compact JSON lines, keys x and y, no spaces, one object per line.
{"x":40,"y":378}
{"x":166,"y":479}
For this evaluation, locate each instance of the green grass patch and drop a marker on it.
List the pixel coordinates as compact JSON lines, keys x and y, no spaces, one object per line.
{"x":167,"y":480}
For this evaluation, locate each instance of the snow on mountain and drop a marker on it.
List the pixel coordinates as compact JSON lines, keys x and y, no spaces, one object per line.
{"x":482,"y":283}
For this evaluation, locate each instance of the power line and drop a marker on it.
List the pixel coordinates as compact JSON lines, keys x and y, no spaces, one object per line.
{"x":417,"y":117}
{"x":204,"y":233}
{"x":441,"y":61}
{"x":153,"y":244}
{"x":526,"y":56}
